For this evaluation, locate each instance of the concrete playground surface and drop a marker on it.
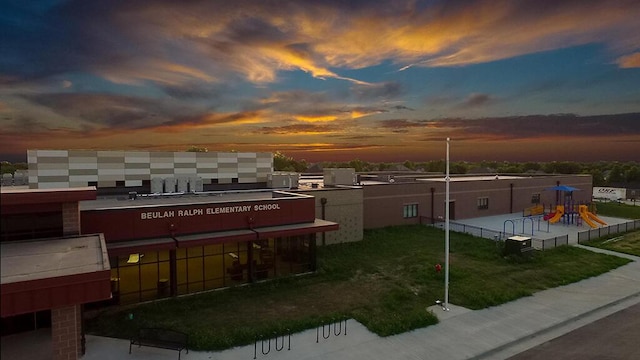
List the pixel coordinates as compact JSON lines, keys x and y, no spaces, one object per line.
{"x":521,"y":225}
{"x":515,"y":329}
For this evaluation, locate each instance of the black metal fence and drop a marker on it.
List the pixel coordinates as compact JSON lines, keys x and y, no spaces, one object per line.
{"x":539,"y":244}
{"x":600,"y":232}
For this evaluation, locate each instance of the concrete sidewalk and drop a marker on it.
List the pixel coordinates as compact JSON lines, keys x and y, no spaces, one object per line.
{"x":492,"y":333}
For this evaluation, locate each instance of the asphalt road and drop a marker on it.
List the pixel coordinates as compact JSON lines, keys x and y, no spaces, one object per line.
{"x":616,"y":336}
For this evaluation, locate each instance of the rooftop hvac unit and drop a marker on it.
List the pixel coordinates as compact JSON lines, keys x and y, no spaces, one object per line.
{"x":157,"y":185}
{"x":283,"y":180}
{"x":195,"y":184}
{"x":183,"y":184}
{"x":339,"y":176}
{"x":170,"y":185}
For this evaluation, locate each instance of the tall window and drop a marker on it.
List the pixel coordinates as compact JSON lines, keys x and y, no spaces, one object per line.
{"x":483,"y":203}
{"x":535,"y":198}
{"x":410,"y":211}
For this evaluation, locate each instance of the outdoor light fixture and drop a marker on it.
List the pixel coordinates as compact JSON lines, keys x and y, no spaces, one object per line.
{"x":134,"y":258}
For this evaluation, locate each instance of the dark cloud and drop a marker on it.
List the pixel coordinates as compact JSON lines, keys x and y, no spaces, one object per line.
{"x":253,"y":31}
{"x":379,"y":91}
{"x":401,"y":123}
{"x":112,"y":111}
{"x":542,"y":126}
{"x":477,"y":99}
{"x":192,"y":92}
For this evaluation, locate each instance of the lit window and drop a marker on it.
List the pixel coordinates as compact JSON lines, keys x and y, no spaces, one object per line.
{"x":483,"y":203}
{"x":410,"y":211}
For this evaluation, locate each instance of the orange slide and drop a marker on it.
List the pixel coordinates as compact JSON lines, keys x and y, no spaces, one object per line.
{"x":558,"y":214}
{"x":589,"y":217}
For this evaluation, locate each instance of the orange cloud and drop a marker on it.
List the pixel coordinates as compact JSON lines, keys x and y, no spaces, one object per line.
{"x":319,"y":118}
{"x":629,"y":61}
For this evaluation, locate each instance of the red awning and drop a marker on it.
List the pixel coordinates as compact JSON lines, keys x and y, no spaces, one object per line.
{"x":215,"y":238}
{"x":141,"y":246}
{"x":317,"y":226}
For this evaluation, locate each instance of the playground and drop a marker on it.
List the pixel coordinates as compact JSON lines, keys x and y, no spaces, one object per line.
{"x":548,"y":221}
{"x":534,"y":226}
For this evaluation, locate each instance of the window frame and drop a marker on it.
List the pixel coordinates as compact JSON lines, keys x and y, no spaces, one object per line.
{"x":410,"y":211}
{"x":483,"y":202}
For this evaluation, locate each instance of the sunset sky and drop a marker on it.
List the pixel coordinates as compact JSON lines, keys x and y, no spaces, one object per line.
{"x":326,"y":79}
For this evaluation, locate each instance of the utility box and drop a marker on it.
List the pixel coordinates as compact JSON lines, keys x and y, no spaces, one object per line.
{"x":518,"y":245}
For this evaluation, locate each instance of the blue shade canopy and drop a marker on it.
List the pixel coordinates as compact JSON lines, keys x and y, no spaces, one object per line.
{"x":563,"y":188}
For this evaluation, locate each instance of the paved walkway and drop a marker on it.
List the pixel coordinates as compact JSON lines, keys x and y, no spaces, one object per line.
{"x":493,"y":333}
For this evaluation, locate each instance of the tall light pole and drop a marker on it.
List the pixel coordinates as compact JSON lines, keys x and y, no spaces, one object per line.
{"x":447,"y":180}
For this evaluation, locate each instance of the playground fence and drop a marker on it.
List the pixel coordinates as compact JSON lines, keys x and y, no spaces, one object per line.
{"x":539,"y":244}
{"x":600,"y":232}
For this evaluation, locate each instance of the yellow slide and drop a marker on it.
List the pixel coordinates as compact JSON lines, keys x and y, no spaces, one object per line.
{"x":558,"y":215}
{"x":589,"y":217}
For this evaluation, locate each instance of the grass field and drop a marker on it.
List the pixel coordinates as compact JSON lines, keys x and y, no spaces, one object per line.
{"x":618,"y":210}
{"x":385,"y":282}
{"x":628,"y":243}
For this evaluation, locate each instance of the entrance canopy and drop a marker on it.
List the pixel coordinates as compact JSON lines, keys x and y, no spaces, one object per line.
{"x":53,"y":273}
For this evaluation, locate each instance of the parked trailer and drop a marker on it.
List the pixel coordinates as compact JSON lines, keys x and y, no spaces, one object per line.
{"x":609,"y":193}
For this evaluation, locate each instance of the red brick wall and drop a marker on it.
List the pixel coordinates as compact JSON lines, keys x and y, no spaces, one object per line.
{"x":65,"y":333}
{"x":70,"y":218}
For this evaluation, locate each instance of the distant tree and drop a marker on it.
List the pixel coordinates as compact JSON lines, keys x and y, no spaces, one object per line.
{"x":282,"y":162}
{"x":358,"y":165}
{"x":596,"y":175}
{"x":436,"y":166}
{"x":562,"y":167}
{"x":458,"y":168}
{"x":489,"y":164}
{"x":509,"y":167}
{"x":616,"y":175}
{"x":7,"y":168}
{"x":383,"y":166}
{"x":531,"y":166}
{"x":632,"y":174}
{"x":409,"y":165}
{"x":197,"y":149}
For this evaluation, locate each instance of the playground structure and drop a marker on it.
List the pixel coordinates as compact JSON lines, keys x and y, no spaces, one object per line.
{"x":570,"y":213}
{"x":533,"y":211}
{"x":589,"y":217}
{"x":554,"y":217}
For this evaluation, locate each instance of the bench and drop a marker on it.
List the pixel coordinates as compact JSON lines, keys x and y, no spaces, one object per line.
{"x":161,"y":338}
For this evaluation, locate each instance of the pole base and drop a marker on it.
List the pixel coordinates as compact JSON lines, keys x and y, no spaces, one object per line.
{"x":442,"y":305}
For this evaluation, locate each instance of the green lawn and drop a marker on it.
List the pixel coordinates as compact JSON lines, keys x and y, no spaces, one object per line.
{"x":628,"y":243}
{"x":385,"y":282}
{"x":618,"y":210}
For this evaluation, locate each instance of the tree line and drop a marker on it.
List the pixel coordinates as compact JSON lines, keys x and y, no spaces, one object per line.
{"x":604,"y":173}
